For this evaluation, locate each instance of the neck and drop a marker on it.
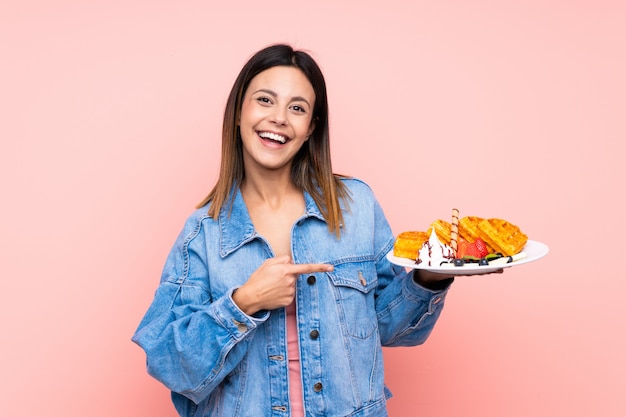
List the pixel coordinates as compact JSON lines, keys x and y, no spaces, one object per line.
{"x":268,"y":189}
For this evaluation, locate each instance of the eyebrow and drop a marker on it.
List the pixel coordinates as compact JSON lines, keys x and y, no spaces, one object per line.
{"x":273,"y":94}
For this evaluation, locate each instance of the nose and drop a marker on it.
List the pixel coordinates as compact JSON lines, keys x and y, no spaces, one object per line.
{"x":279,"y":116}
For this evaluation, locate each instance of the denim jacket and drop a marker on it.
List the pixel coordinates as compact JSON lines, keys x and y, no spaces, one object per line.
{"x":218,"y":361}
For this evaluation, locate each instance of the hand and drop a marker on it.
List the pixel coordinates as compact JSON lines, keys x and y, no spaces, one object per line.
{"x":435,"y":280}
{"x":273,"y":284}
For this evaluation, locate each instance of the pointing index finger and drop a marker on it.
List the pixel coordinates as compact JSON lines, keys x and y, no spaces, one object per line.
{"x":310,"y":268}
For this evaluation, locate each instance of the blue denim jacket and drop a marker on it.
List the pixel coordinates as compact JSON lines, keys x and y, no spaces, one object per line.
{"x":219,"y":361}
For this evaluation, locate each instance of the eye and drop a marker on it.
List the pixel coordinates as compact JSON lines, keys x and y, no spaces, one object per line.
{"x":298,"y":108}
{"x":264,"y":100}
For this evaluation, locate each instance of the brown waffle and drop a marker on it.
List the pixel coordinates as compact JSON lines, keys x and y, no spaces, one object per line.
{"x":468,"y":227}
{"x":468,"y":230}
{"x":502,"y":236}
{"x":407,"y":244}
{"x":442,"y":229}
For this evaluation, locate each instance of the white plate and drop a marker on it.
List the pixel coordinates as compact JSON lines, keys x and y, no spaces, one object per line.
{"x":534,"y":250}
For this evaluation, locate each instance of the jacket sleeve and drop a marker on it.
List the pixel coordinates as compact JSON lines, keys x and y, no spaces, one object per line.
{"x":191,"y":341}
{"x":406,"y":311}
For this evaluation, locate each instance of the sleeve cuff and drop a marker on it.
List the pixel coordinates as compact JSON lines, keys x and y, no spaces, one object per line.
{"x":435,"y":286}
{"x":418,"y":291}
{"x":238,"y":323}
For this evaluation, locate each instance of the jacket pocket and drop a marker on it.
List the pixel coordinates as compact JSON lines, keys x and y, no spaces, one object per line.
{"x":353,"y":285}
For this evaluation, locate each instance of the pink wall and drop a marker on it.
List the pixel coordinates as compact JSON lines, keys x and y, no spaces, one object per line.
{"x":110,"y":116}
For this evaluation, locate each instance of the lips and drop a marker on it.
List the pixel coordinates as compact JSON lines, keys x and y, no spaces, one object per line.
{"x":275,"y":137}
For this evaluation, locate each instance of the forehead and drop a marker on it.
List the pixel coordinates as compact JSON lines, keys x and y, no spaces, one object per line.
{"x":287,"y":82}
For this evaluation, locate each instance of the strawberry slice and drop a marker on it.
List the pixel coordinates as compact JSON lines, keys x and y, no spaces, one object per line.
{"x":481,"y":247}
{"x":476,"y":249}
{"x":461,"y":249}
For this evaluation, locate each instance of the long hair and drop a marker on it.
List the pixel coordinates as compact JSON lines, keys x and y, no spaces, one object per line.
{"x":311,"y":170}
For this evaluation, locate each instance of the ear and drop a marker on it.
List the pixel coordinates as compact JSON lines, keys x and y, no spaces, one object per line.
{"x":311,"y":129}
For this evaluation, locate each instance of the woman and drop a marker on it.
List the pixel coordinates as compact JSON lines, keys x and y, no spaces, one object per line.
{"x":277,"y":297}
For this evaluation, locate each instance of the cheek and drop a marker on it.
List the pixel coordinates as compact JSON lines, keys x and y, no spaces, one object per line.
{"x":304,"y":127}
{"x":246,"y":114}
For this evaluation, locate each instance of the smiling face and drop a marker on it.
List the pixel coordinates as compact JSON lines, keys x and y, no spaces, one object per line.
{"x":276,"y":118}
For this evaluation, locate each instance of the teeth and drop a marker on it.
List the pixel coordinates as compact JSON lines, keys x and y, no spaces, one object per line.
{"x":273,"y":136}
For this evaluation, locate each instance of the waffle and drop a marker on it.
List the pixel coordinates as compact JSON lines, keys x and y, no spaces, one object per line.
{"x":502,"y":236}
{"x":468,"y":230}
{"x":442,"y":229}
{"x":407,"y":244}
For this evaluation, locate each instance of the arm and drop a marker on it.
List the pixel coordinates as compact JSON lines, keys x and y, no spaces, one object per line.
{"x":408,"y":304}
{"x":193,"y":342}
{"x":407,"y":311}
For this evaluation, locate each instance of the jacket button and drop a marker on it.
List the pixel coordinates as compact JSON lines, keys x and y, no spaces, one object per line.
{"x":314,"y":334}
{"x":311,"y":279}
{"x":317,"y":387}
{"x":240,"y":326}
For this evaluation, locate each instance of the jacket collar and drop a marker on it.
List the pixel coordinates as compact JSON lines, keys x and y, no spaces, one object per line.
{"x":236,"y":228}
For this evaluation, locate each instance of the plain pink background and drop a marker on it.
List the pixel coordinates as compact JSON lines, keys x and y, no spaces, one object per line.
{"x":110,"y":121}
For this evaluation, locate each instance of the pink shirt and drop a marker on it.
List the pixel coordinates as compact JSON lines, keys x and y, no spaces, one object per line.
{"x":293,"y":354}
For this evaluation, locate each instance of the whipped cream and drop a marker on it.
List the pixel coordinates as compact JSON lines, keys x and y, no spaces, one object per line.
{"x":433,"y":252}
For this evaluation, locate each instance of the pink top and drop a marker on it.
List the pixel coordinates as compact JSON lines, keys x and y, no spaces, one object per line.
{"x":293,"y":354}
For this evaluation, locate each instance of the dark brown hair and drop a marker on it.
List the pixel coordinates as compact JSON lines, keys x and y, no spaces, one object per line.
{"x":311,"y":170}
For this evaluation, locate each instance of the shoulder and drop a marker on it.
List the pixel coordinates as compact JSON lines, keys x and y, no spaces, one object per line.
{"x":196,"y":220}
{"x":357,"y":188}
